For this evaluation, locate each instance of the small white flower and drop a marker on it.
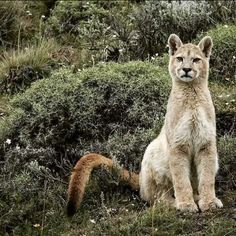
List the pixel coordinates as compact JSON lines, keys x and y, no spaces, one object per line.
{"x":93,"y":221}
{"x":29,"y":14}
{"x":17,"y":147}
{"x":36,"y":225}
{"x":227,"y":95}
{"x":220,"y":96}
{"x":43,"y":16}
{"x":234,"y":57}
{"x":114,"y":36}
{"x":226,"y":103}
{"x":233,"y":100}
{"x":8,"y":141}
{"x":226,"y":26}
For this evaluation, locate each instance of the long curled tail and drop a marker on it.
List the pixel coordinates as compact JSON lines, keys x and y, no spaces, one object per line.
{"x":80,"y":177}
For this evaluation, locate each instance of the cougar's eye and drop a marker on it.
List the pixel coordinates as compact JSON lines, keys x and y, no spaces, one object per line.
{"x":179,"y":59}
{"x":196,"y":60}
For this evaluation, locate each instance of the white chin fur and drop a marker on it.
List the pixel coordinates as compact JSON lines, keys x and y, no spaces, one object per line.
{"x":186,"y":79}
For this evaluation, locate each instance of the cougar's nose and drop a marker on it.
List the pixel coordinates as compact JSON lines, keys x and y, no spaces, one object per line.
{"x":186,"y":70}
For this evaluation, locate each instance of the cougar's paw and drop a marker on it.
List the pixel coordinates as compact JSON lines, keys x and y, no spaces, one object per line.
{"x":187,"y":206}
{"x":205,"y":205}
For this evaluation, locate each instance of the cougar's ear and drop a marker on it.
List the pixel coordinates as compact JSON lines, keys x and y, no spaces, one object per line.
{"x":206,"y":45}
{"x":174,"y":43}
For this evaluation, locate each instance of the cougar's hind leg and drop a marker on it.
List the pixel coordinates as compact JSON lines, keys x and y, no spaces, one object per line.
{"x":153,"y":188}
{"x":147,"y":186}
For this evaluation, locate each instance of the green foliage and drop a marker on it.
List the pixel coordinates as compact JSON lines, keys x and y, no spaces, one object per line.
{"x":10,"y":12}
{"x":132,"y":31}
{"x":223,"y":11}
{"x":226,"y":178}
{"x":82,"y":111}
{"x":77,"y":22}
{"x":113,"y":109}
{"x":21,"y":21}
{"x":19,"y":68}
{"x":30,"y":195}
{"x":156,"y":20}
{"x":33,"y":199}
{"x":223,"y":59}
{"x":224,"y":99}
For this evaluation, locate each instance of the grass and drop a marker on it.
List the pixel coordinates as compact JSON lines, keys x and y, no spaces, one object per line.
{"x":33,"y":202}
{"x":120,"y":212}
{"x":4,"y":105}
{"x":18,"y":68}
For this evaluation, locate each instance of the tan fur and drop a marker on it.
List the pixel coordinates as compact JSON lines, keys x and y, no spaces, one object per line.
{"x":80,"y":177}
{"x":182,"y":161}
{"x":179,"y":166}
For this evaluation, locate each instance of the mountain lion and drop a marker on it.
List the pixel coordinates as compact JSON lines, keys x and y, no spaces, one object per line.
{"x":179,"y":166}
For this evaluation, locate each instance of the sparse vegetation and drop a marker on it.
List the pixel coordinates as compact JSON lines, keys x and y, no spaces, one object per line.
{"x":53,"y":110}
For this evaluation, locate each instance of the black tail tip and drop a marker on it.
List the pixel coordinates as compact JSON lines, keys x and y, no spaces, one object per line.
{"x":71,"y":208}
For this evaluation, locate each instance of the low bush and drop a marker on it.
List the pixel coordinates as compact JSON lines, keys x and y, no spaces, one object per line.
{"x":30,"y":194}
{"x":69,"y":112}
{"x":223,"y":59}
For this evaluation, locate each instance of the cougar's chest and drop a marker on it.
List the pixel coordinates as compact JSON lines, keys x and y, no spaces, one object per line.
{"x":194,"y":129}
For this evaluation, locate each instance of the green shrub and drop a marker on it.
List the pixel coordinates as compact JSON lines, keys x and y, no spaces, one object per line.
{"x":19,"y":68}
{"x":98,"y":30}
{"x":82,"y":111}
{"x":223,"y":59}
{"x":156,"y":20}
{"x":127,"y":31}
{"x":130,"y":31}
{"x":30,"y":194}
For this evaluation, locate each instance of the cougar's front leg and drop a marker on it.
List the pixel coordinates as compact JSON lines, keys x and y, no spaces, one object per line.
{"x":180,"y":172}
{"x":207,"y":166}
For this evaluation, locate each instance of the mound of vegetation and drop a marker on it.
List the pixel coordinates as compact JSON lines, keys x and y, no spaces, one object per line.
{"x":82,"y":111}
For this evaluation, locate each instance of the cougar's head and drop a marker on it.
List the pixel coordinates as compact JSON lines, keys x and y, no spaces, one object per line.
{"x":189,"y":62}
